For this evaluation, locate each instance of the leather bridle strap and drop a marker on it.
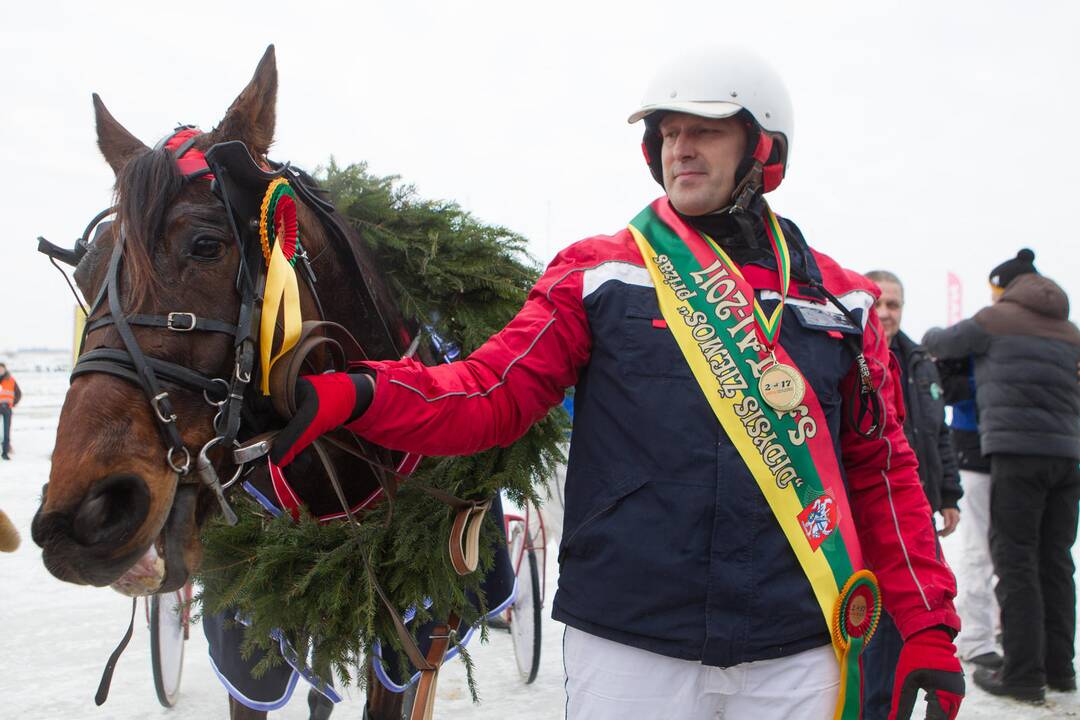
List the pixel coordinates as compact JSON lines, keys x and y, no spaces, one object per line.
{"x":159,"y":399}
{"x":465,"y":537}
{"x":441,"y":635}
{"x":408,"y":644}
{"x":340,"y":346}
{"x":102,"y":693}
{"x":324,"y":335}
{"x":118,"y":363}
{"x":175,"y":321}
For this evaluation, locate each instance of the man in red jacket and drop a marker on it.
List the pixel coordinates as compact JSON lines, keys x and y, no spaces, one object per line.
{"x":740,"y":496}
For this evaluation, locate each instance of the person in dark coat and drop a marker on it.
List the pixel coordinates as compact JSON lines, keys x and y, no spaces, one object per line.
{"x":1026,"y":352}
{"x":928,"y":435}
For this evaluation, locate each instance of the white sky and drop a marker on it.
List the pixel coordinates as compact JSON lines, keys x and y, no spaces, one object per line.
{"x":929,"y":136}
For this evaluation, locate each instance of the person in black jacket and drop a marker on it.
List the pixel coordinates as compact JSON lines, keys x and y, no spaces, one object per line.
{"x":928,"y":435}
{"x":924,"y":401}
{"x":1025,"y":352}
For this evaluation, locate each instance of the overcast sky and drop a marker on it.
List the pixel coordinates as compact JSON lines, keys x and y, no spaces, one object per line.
{"x":930,"y":137}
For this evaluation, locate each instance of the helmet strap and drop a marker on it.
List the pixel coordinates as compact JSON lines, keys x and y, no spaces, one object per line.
{"x":651,"y":147}
{"x":752,"y":180}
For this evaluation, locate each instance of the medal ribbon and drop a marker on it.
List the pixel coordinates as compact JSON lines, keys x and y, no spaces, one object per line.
{"x":709,"y":308}
{"x":280,"y":237}
{"x":767,"y":326}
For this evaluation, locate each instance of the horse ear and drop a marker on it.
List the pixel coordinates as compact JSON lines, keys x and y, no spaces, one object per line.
{"x":251,"y":116}
{"x":115,"y":142}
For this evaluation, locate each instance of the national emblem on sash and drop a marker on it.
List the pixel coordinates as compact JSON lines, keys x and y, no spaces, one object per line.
{"x":818,"y":520}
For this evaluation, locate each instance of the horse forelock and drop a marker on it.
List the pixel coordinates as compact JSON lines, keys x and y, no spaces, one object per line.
{"x":146,"y":188}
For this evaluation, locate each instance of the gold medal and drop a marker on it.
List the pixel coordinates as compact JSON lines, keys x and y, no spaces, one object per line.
{"x":782,"y":387}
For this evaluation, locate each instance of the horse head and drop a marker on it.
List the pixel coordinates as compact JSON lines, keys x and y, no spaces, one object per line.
{"x":121,"y":507}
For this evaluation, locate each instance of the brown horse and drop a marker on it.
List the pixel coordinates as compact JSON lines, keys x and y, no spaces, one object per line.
{"x":166,"y":362}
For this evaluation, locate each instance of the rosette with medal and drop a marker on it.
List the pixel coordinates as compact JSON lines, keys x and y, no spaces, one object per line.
{"x":856,"y":616}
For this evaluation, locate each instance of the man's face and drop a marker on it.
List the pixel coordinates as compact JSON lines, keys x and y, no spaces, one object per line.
{"x":890,"y":307}
{"x":699,"y":156}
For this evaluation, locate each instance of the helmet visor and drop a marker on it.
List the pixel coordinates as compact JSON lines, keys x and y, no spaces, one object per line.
{"x":701,"y":108}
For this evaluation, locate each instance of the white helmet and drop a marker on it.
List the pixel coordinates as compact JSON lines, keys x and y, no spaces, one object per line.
{"x":720,"y":83}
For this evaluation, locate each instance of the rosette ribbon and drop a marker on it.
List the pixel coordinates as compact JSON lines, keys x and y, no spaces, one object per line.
{"x":279,"y":234}
{"x":858,"y":610}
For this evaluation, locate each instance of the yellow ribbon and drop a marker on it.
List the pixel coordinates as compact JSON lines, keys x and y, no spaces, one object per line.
{"x":281,"y":296}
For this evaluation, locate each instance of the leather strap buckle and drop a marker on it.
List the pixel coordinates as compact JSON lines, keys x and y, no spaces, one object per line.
{"x":450,"y":633}
{"x":163,"y":408}
{"x":170,"y":321}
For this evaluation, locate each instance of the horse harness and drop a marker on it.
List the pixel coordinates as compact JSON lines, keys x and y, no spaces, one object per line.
{"x":231,"y":171}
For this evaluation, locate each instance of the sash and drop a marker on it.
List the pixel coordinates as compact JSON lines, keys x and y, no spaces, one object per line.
{"x":728,"y":341}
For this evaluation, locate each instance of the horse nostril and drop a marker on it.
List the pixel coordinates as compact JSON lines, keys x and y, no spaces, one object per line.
{"x":112,"y":511}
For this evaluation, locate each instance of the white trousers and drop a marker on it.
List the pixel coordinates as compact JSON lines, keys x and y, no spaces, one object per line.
{"x":975,"y":601}
{"x":609,"y":681}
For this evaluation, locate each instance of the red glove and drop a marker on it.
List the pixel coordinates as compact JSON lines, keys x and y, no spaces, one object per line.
{"x":323,"y":403}
{"x":928,"y":662}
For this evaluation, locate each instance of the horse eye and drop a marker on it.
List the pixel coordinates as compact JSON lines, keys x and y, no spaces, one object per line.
{"x":205,"y":247}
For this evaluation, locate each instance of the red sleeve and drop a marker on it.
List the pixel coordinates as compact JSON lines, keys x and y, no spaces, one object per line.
{"x":494,"y":396}
{"x":890,"y":509}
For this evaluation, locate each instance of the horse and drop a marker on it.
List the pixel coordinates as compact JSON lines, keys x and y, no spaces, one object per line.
{"x":166,"y":378}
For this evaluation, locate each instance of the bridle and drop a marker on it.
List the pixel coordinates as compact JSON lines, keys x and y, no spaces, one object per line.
{"x":234,"y":178}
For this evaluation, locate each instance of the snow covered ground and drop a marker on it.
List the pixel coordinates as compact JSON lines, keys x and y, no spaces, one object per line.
{"x":57,"y":637}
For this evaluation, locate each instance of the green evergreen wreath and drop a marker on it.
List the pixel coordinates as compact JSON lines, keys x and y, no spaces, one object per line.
{"x":466,"y":280}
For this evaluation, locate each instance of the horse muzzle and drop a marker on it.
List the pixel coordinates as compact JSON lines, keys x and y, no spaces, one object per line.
{"x":162,"y":567}
{"x":96,"y":542}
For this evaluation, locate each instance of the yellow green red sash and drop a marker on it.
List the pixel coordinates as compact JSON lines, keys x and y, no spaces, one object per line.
{"x":727,"y":340}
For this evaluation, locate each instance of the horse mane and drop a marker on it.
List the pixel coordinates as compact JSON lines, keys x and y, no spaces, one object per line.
{"x":146,"y":187}
{"x":377,"y":289}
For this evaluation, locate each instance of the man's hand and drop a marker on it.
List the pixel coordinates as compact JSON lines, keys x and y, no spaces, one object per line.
{"x":951,"y":518}
{"x":323,"y":403}
{"x":928,"y":662}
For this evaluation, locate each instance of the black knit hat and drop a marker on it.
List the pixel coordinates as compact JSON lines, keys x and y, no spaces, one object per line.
{"x":1009,"y":270}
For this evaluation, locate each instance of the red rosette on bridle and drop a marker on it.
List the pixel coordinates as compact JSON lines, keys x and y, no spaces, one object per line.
{"x":277,"y":221}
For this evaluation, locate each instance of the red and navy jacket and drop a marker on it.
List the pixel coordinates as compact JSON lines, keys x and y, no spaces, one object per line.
{"x":668,"y":544}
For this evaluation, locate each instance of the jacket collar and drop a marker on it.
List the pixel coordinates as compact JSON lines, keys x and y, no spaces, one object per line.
{"x":755,"y":255}
{"x":905,"y":347}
